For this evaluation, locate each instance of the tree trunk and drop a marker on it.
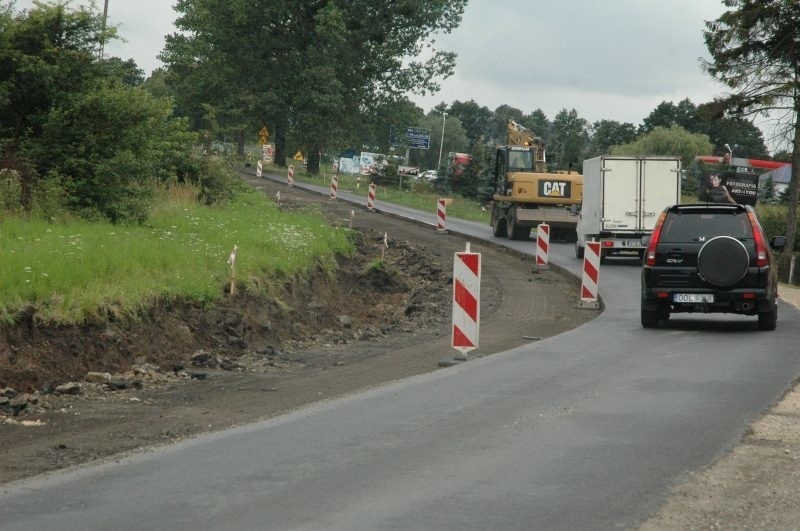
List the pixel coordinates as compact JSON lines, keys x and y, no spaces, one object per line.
{"x":238,"y":136}
{"x":794,"y":188}
{"x":280,"y":143}
{"x":313,"y":160}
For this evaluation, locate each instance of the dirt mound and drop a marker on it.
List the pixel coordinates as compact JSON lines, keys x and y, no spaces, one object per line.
{"x":317,"y":307}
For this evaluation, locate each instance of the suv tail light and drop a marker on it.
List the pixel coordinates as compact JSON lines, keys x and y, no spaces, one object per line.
{"x":650,"y":254}
{"x":761,"y":246}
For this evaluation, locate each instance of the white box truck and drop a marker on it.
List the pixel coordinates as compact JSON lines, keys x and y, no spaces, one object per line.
{"x":622,"y":198}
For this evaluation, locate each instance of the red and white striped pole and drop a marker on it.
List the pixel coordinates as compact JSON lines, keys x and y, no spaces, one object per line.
{"x":542,"y":246}
{"x":441,"y":216}
{"x":334,"y":185}
{"x":466,"y":300}
{"x":371,"y":197}
{"x":591,"y":276}
{"x":290,"y":175}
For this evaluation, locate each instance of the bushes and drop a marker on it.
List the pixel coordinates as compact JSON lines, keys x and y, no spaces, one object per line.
{"x":47,"y":196}
{"x":216,"y":180}
{"x":773,"y":219}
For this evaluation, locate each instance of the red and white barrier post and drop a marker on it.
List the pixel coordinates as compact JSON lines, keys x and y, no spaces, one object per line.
{"x":334,"y":185}
{"x":466,"y":301}
{"x":290,"y":175}
{"x":441,"y":216}
{"x":591,"y":276}
{"x":371,"y":197}
{"x":542,"y":246}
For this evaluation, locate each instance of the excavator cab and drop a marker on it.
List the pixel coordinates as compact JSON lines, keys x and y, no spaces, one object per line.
{"x":520,"y":161}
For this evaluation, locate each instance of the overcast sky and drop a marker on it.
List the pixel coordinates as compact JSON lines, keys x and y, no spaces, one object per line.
{"x":610,"y":59}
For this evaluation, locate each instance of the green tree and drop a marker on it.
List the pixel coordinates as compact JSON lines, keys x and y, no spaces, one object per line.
{"x":317,"y":66}
{"x":745,"y":139}
{"x":755,"y":50}
{"x":674,"y":141}
{"x":476,"y":120}
{"x":607,"y":133}
{"x":47,"y":54}
{"x":707,"y":119}
{"x":767,"y":192}
{"x":569,"y":137}
{"x":538,"y":123}
{"x":110,"y":144}
{"x":72,"y":121}
{"x":502,"y":115}
{"x":126,"y":71}
{"x":455,"y":140}
{"x":668,"y":114}
{"x":786,"y":196}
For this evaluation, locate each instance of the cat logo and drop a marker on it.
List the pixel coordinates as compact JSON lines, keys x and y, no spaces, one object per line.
{"x":554,"y":188}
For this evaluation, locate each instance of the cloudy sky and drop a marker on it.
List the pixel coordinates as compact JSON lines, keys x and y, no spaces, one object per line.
{"x":612,"y":59}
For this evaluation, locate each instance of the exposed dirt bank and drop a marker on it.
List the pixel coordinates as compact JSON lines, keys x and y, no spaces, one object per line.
{"x":77,"y":394}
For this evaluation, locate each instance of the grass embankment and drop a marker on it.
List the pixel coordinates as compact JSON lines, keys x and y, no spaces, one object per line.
{"x":77,"y":271}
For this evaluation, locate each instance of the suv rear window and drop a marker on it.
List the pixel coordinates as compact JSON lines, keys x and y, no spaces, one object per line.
{"x":691,"y":226}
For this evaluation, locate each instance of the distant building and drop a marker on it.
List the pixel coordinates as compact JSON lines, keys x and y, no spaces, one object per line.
{"x":780,"y":177}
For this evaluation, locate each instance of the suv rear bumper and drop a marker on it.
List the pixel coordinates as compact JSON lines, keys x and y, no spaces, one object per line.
{"x":744,"y":301}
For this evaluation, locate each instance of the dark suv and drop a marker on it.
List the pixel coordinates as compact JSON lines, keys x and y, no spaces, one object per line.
{"x":710,"y":258}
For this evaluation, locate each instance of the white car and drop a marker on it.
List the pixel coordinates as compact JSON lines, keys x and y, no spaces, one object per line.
{"x":429,"y":175}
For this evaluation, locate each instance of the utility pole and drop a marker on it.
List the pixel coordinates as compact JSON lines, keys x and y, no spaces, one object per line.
{"x":441,"y":145}
{"x":103,"y":30}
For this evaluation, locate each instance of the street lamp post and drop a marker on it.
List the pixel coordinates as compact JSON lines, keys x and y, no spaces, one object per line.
{"x":730,"y":154}
{"x":441,"y":144}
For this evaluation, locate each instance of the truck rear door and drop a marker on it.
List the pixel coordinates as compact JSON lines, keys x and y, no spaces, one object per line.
{"x":620,"y":192}
{"x":660,"y":188}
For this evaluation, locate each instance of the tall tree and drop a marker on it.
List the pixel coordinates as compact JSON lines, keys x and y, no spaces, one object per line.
{"x":607,"y":133}
{"x":667,"y":114}
{"x":538,"y":123}
{"x":755,"y":50}
{"x":674,"y":141}
{"x":314,"y":65}
{"x":47,"y":55}
{"x":475,"y":119}
{"x":568,"y":139}
{"x":502,"y":115}
{"x":449,"y":129}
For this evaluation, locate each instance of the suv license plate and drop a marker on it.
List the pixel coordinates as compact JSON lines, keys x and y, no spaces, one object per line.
{"x":694,"y":297}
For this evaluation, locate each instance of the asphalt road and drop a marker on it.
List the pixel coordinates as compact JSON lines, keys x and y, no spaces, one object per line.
{"x":585,"y":430}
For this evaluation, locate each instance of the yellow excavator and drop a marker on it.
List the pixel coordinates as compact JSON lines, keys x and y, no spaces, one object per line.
{"x":526,"y":194}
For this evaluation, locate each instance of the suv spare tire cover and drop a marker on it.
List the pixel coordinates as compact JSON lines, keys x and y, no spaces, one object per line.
{"x":723,"y":261}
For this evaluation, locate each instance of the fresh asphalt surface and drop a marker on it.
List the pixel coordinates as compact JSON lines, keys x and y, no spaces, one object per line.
{"x":585,"y":430}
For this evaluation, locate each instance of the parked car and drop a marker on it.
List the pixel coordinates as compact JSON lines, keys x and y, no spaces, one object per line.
{"x":710,"y":258}
{"x":429,"y":175}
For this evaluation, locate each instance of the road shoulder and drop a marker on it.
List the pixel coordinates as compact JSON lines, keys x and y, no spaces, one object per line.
{"x":755,"y":486}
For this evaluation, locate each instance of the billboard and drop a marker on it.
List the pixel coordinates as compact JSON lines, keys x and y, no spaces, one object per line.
{"x":729,"y":187}
{"x":348,"y":164}
{"x":418,"y":138}
{"x":369,"y":162}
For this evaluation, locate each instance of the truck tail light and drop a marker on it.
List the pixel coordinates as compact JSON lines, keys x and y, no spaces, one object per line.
{"x":761,"y":246}
{"x":650,"y":254}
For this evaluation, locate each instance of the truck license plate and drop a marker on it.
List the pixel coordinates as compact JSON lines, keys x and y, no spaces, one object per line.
{"x":631,"y":243}
{"x":694,"y":297}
